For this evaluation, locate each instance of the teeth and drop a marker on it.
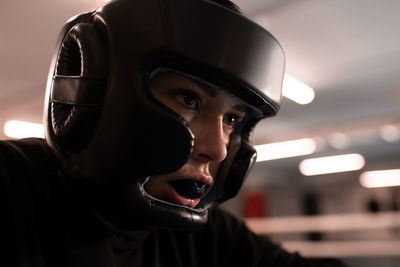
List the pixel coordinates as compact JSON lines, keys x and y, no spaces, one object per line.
{"x":189,"y":188}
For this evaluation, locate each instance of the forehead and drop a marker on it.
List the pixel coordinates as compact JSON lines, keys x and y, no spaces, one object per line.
{"x":173,"y":80}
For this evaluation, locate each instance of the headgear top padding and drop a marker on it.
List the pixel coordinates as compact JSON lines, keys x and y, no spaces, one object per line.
{"x":111,"y":134}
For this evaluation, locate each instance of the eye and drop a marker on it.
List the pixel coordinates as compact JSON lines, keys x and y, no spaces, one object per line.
{"x":232,"y":119}
{"x":188,"y":99}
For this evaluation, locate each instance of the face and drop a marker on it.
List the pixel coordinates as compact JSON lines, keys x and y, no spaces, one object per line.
{"x":212,"y":116}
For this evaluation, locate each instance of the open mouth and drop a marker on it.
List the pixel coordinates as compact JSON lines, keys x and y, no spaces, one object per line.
{"x":189,"y":188}
{"x":186,"y":192}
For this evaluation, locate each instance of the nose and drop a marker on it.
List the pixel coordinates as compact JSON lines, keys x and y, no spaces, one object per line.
{"x":210,"y":140}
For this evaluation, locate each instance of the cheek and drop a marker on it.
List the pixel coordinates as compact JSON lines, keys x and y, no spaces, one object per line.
{"x":214,"y":168}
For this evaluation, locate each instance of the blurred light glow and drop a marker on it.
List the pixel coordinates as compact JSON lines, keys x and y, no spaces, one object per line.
{"x":320,"y":142}
{"x":285,"y":149}
{"x":22,"y":129}
{"x":332,"y":164}
{"x":389,"y":133}
{"x":339,"y":140}
{"x":381,"y":178}
{"x":297,"y":91}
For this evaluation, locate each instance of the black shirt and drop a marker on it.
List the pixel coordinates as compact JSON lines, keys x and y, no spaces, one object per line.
{"x":44,"y":225}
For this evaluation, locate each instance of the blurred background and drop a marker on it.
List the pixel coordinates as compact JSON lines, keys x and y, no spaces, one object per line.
{"x":315,"y":188}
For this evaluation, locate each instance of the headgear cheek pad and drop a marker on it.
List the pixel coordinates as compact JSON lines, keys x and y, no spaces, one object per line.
{"x":108,"y":131}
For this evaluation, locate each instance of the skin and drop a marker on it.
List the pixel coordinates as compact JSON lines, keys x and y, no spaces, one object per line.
{"x":211,"y":115}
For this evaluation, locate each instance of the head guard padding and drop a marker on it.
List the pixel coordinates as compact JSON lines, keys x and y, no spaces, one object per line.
{"x":110,"y":134}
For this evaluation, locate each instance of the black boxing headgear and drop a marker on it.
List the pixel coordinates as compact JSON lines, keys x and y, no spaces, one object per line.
{"x":108,"y":131}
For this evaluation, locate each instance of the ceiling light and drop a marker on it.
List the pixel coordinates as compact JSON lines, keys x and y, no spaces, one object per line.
{"x":285,"y":149}
{"x":332,"y":164}
{"x":22,"y":129}
{"x":381,"y":178}
{"x":297,"y":91}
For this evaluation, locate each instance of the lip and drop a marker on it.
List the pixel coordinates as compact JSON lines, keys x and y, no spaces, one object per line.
{"x":176,"y":198}
{"x":202,"y":178}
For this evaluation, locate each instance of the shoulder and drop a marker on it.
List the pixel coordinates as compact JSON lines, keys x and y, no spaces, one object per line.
{"x":219,"y":218}
{"x":228,"y":240}
{"x":24,"y":167}
{"x":21,"y":157}
{"x":28,"y":151}
{"x":24,"y":164}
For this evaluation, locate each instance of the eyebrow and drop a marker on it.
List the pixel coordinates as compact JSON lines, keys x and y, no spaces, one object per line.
{"x":212,"y":90}
{"x":240,"y":107}
{"x":209,"y":88}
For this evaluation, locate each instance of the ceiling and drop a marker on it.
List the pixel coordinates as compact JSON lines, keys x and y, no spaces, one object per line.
{"x":348,"y":51}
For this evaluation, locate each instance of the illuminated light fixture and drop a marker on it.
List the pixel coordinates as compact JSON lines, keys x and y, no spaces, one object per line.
{"x":297,"y":91}
{"x":332,"y":164}
{"x":285,"y":149}
{"x":381,"y":178}
{"x":22,"y":129}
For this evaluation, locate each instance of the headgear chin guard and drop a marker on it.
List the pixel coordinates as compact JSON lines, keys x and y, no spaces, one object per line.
{"x":110,"y":135}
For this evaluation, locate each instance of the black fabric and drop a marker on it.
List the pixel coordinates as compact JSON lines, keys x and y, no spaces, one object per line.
{"x":45,"y":225}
